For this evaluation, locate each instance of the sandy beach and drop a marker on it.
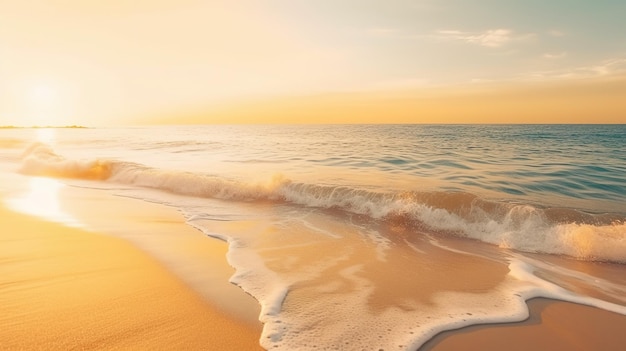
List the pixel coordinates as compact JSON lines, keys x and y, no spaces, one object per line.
{"x":552,"y":325}
{"x":126,"y":282}
{"x":64,"y":288}
{"x":312,"y":175}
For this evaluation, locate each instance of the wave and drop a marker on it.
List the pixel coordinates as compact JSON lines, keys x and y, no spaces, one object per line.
{"x":524,"y":227}
{"x":11,"y":143}
{"x":40,"y":159}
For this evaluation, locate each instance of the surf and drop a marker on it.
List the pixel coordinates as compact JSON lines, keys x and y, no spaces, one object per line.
{"x":519,"y":226}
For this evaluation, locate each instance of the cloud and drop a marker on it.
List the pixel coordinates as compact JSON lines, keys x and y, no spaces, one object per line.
{"x":555,"y":56}
{"x":492,"y":38}
{"x":605,"y":68}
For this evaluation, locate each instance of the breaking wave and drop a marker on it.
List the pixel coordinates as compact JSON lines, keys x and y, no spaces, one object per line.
{"x":524,"y":227}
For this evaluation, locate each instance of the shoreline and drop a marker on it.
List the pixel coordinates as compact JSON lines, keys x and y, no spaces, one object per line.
{"x":551,"y":325}
{"x":179,"y":313}
{"x":67,"y":288}
{"x":161,"y":231}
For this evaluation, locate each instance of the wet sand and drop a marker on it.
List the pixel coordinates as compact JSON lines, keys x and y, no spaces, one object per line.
{"x":159,"y":230}
{"x":552,"y":325}
{"x":65,"y":288}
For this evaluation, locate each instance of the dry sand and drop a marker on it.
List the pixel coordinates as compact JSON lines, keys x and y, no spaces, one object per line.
{"x":64,"y":288}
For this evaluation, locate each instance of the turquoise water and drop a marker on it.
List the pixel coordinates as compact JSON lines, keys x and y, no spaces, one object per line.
{"x":536,"y":162}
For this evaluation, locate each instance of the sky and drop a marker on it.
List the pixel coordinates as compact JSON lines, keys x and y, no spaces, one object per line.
{"x":117,"y":62}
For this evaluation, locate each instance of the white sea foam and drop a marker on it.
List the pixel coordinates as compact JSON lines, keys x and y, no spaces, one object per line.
{"x":40,"y":159}
{"x":333,"y":319}
{"x":508,"y":300}
{"x":523,"y":269}
{"x":256,"y":279}
{"x":516,"y":226}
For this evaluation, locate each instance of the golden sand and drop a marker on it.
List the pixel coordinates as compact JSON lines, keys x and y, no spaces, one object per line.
{"x":199,"y":261}
{"x":552,"y":325}
{"x":64,"y":288}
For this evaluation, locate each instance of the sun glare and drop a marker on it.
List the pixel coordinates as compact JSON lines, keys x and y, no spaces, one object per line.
{"x":42,"y":200}
{"x":45,"y":104}
{"x":45,"y":135}
{"x":43,"y":94}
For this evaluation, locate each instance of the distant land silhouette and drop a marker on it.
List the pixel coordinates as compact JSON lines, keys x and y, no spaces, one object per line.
{"x":36,"y":127}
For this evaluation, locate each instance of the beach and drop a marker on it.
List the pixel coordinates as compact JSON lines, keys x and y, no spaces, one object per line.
{"x":243,"y":238}
{"x":68,"y":288}
{"x":552,"y":325}
{"x":312,"y":175}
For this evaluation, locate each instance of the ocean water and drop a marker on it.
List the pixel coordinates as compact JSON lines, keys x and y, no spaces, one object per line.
{"x":374,"y":236}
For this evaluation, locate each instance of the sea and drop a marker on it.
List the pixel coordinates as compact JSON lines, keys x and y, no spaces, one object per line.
{"x":374,"y":237}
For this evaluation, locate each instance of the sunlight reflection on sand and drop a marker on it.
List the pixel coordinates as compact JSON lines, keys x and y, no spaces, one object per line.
{"x":42,"y":200}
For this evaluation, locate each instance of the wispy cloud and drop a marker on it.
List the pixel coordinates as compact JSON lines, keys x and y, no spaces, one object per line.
{"x":609,"y":67}
{"x":492,"y":38}
{"x":555,"y":56}
{"x":606,"y":68}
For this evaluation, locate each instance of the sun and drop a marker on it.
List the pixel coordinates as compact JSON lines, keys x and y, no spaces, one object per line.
{"x":44,"y":104}
{"x":43,"y":94}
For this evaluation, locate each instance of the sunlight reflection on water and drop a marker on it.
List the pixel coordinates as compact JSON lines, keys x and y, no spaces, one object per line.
{"x":45,"y":135}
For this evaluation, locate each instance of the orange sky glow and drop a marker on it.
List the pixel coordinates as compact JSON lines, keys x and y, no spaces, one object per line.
{"x":99,"y":63}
